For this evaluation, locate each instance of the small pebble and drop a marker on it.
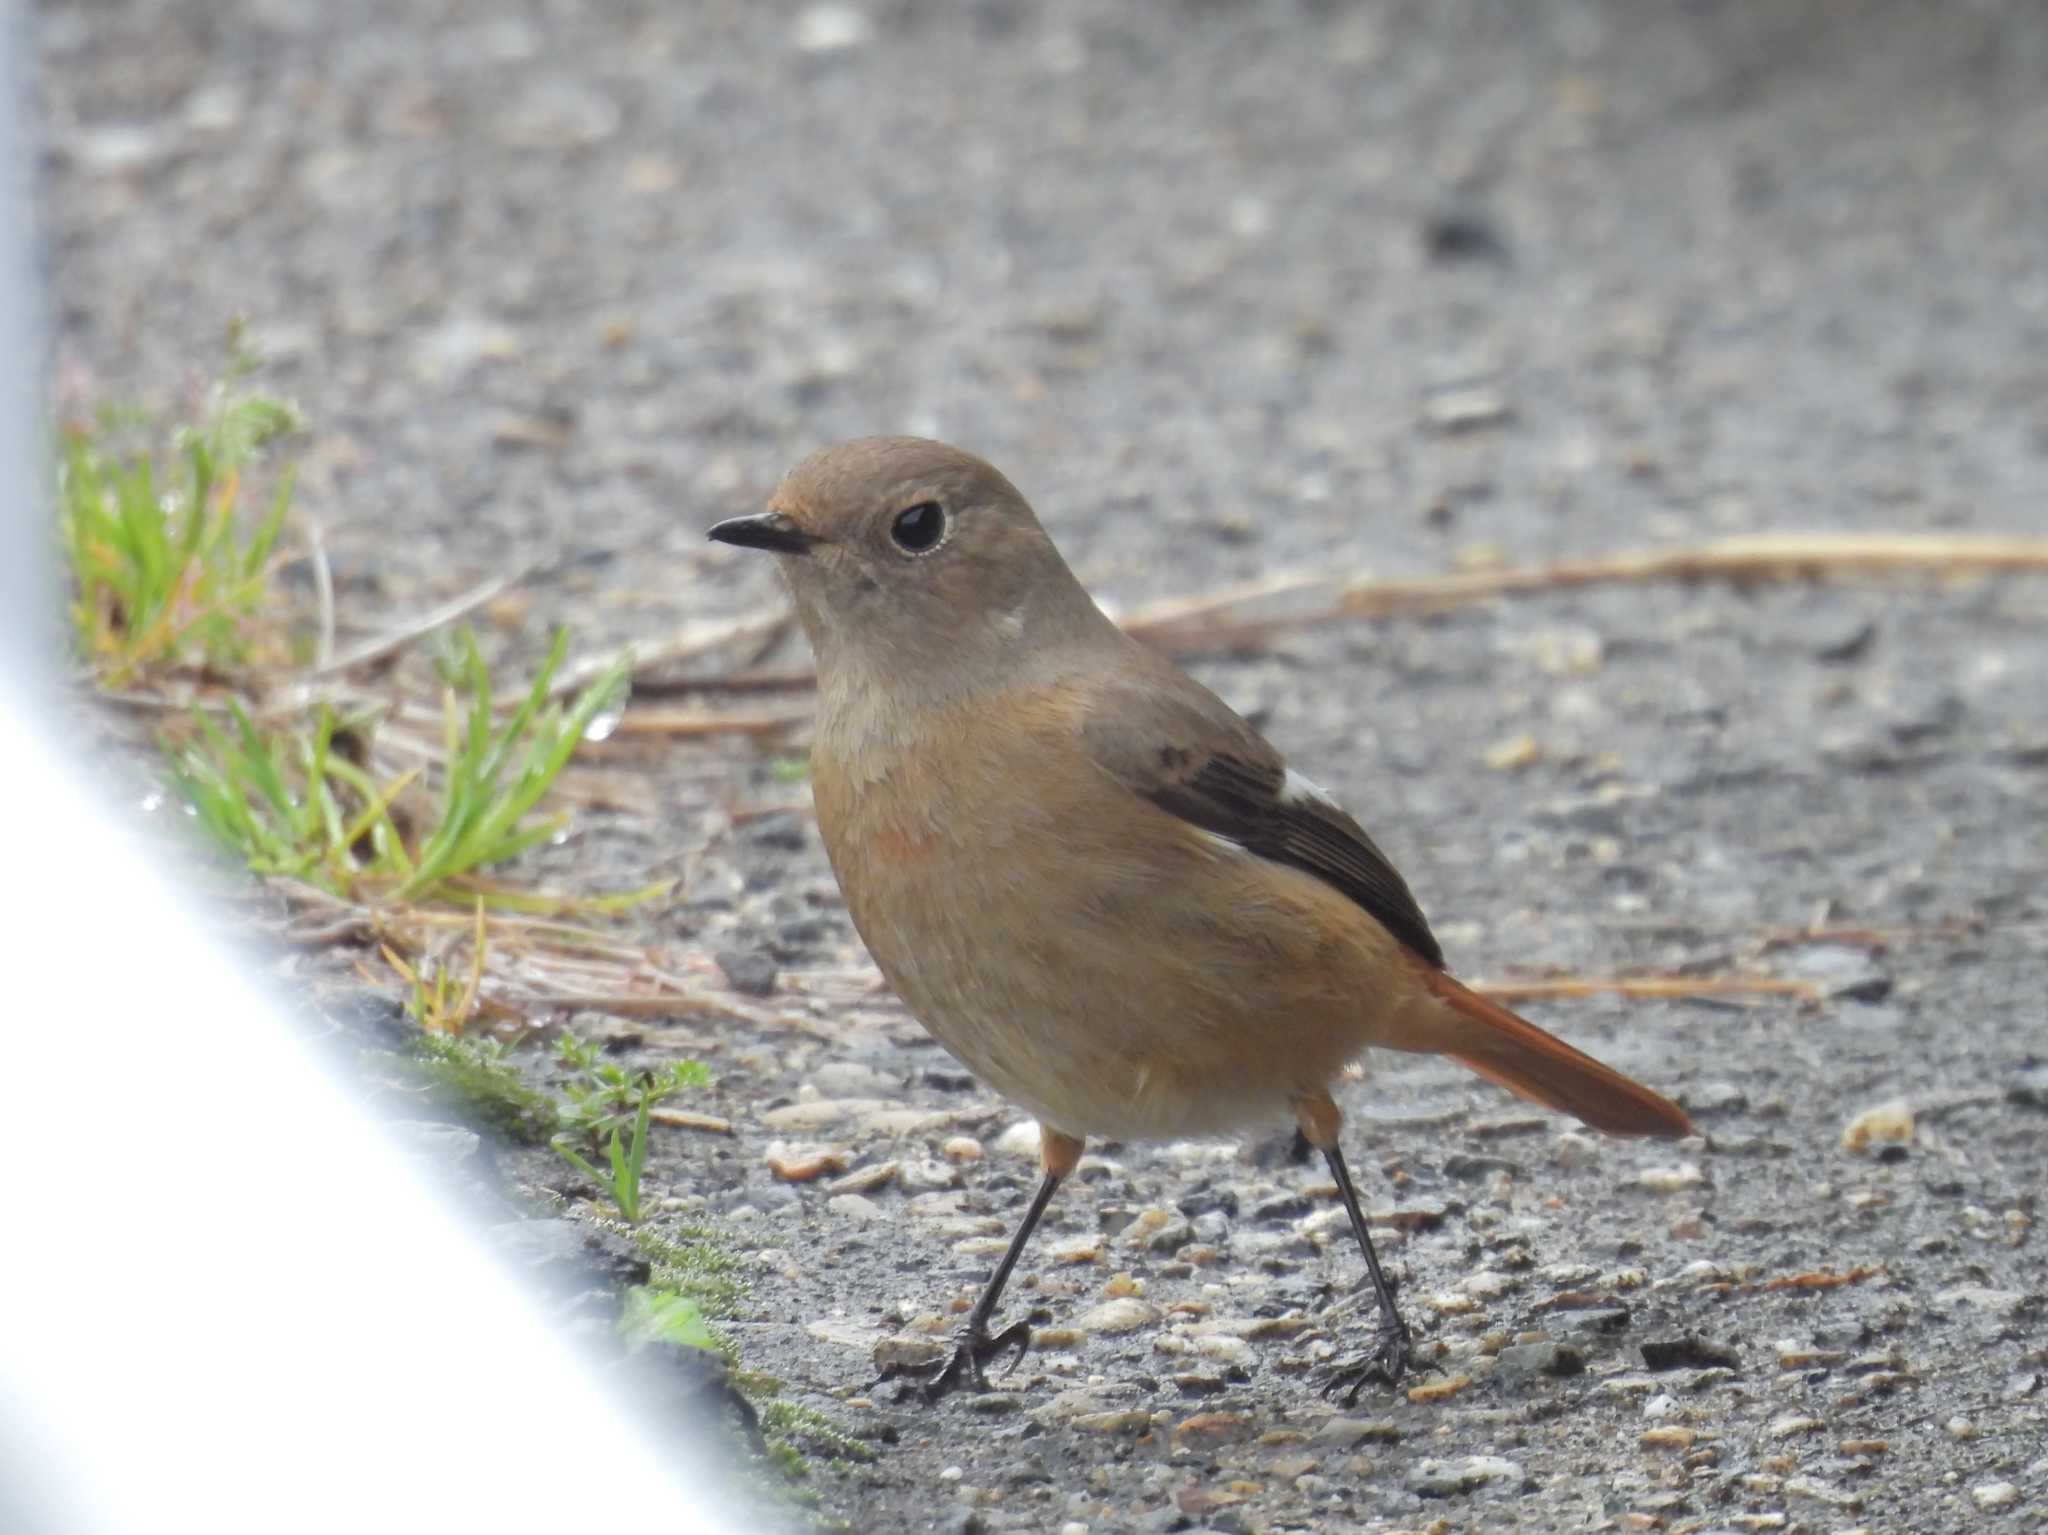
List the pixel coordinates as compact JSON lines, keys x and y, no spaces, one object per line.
{"x":1020,"y":1140}
{"x":1711,"y":1098}
{"x":1885,"y":1124}
{"x":854,"y":1207}
{"x":1447,"y":1478}
{"x":1558,"y":1359}
{"x":832,"y":28}
{"x":1572,"y":1149}
{"x":1818,"y":1491}
{"x":1344,"y":1432}
{"x":1689,"y":1353}
{"x":910,"y":1352}
{"x":2030,"y":1086}
{"x":1081,"y":1249}
{"x":805,"y":1161}
{"x":1514,"y":754}
{"x":1208,"y":1428}
{"x":927,"y":1175}
{"x":817,"y":1113}
{"x":863,"y":1180}
{"x":1438,"y":1390}
{"x":1993,"y":1495}
{"x":1157,"y":1230}
{"x":1133,"y":1421}
{"x":961,"y":1149}
{"x":1113,"y":1318}
{"x":1671,"y":1180}
{"x":1464,"y":408}
{"x":1794,"y":1355}
{"x":752,"y":972}
{"x":1486,"y":1284}
{"x":1225,"y":1349}
{"x":853,"y":1079}
{"x":1593,"y":1319}
{"x":2003,"y":1303}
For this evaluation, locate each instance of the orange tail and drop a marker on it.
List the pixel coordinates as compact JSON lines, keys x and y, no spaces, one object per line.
{"x":1531,"y":1064}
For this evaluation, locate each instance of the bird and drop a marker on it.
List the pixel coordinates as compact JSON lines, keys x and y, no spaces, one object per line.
{"x":1091,"y":880}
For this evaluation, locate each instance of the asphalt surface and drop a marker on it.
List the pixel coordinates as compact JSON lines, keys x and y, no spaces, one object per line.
{"x":1230,"y":290}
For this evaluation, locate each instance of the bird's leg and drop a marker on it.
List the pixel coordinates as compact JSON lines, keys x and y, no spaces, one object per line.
{"x":1387,"y":1360}
{"x":976,"y":1347}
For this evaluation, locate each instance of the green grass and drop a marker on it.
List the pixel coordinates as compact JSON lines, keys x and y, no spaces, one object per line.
{"x":171,"y":572}
{"x":495,"y":774}
{"x":626,"y":1152}
{"x":284,"y":801}
{"x":607,"y":1107}
{"x":649,"y":1314}
{"x":170,"y":569}
{"x":602,"y":1095}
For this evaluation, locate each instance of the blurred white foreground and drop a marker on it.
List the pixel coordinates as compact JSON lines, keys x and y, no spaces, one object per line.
{"x":224,"y":1304}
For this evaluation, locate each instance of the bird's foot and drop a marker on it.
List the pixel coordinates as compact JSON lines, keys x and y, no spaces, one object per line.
{"x":1387,"y":1361}
{"x":965,"y":1366}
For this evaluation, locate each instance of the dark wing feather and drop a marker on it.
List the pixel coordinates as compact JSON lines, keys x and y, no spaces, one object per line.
{"x":1184,"y":750}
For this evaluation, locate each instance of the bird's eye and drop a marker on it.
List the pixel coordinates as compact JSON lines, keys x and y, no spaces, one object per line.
{"x":918,"y":529}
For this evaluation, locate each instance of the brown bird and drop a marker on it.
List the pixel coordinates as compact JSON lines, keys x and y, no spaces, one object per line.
{"x":1094,"y":883}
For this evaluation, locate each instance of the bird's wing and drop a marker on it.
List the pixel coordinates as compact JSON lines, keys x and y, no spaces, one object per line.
{"x":1169,"y":740}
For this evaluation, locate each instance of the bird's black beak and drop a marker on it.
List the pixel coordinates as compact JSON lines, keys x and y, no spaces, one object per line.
{"x":765,"y":530}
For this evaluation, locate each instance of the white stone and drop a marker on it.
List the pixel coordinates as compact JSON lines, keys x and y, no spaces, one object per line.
{"x":831,"y":28}
{"x":1115,"y":1317}
{"x":1020,"y":1140}
{"x":1672,"y":1179}
{"x":854,"y":1207}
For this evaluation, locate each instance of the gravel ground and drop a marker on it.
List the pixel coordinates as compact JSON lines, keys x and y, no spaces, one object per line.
{"x":1231,"y":290}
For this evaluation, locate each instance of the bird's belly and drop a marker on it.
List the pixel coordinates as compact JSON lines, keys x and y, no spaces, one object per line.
{"x":1106,"y":1006}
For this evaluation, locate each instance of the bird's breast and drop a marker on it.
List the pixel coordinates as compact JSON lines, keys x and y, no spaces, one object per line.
{"x":1105,"y":965}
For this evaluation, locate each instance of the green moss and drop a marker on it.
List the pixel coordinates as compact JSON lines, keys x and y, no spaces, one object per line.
{"x":692,"y":1261}
{"x":795,"y":1432}
{"x":474,"y":1080}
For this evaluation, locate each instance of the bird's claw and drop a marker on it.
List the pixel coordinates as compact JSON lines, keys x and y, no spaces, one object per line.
{"x":1389,"y":1359}
{"x":965,"y":1366}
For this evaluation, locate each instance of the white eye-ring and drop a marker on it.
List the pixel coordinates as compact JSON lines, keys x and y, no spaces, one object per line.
{"x":919,"y":529}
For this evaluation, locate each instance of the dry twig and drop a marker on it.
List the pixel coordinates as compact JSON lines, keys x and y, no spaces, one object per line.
{"x":1204,"y":621}
{"x":377,"y":647}
{"x":1754,"y":560}
{"x":757,"y":631}
{"x":1645,"y":988}
{"x":686,"y":723}
{"x":683,"y":1119}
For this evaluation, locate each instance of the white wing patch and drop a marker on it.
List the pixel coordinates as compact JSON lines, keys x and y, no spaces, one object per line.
{"x":1219,"y":843}
{"x":1297,"y":788}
